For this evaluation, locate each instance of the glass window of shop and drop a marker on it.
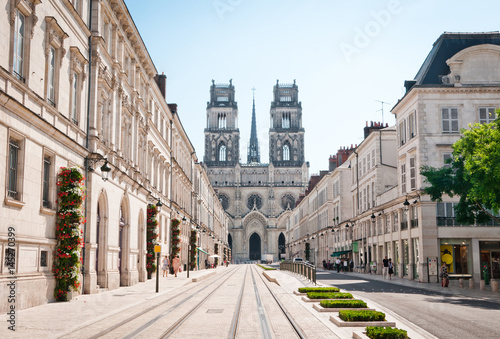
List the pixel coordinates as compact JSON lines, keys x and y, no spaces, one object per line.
{"x":416,"y":257}
{"x":457,"y":255}
{"x":406,"y":257}
{"x":490,"y":258}
{"x":396,"y":257}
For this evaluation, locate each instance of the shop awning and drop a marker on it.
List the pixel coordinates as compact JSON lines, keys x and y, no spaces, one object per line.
{"x":199,"y":249}
{"x":339,"y":253}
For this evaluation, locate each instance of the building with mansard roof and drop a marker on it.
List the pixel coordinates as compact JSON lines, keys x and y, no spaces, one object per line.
{"x":257,"y":196}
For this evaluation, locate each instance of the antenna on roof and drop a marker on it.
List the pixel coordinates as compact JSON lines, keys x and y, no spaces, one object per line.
{"x":382,"y":109}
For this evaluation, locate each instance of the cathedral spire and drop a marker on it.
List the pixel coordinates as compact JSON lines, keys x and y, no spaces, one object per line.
{"x":253,"y":147}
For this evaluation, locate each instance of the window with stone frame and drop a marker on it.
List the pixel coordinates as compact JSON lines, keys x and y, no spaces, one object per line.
{"x":54,"y":53}
{"x":411,"y":122}
{"x":449,"y":118}
{"x":413,"y":174}
{"x":403,"y":178}
{"x":126,"y":135}
{"x":395,"y":223}
{"x":286,"y":152}
{"x":77,"y":80}
{"x":22,"y":23}
{"x":287,"y":202}
{"x":48,"y":180}
{"x":447,"y":158}
{"x":222,"y":152}
{"x":487,"y":115}
{"x":15,"y":167}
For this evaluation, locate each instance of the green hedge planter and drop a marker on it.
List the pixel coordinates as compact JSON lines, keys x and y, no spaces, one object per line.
{"x":343,"y":304}
{"x":377,"y":332}
{"x":347,"y":315}
{"x":323,"y":295}
{"x":319,"y":289}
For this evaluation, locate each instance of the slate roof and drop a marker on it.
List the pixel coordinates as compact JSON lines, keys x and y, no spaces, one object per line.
{"x":446,"y":46}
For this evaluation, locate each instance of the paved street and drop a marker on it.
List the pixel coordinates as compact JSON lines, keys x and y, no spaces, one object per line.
{"x":207,"y":305}
{"x":446,"y":313}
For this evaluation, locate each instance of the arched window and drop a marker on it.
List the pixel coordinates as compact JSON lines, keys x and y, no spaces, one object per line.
{"x":222,"y":152}
{"x":286,"y":152}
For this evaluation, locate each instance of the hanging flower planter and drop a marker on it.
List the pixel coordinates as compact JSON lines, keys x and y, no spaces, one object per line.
{"x":175,"y":239}
{"x":192,"y":252}
{"x":151,"y":237}
{"x":69,"y":235}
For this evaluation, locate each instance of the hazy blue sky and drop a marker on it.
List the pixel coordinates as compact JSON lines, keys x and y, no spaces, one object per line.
{"x":344,"y":55}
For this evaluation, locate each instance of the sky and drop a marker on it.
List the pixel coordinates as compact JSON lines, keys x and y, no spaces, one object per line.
{"x":345,"y":56}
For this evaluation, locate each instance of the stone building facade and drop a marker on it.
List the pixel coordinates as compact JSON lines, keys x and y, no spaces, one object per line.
{"x":257,"y":196}
{"x":458,"y":84}
{"x":68,"y":102}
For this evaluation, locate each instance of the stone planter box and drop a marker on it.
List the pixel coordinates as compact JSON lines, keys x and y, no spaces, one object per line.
{"x":298,"y":293}
{"x":320,"y":308}
{"x":307,"y":300}
{"x":341,"y":323}
{"x":359,"y":335}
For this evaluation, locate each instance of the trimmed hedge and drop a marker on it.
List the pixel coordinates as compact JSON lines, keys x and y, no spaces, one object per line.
{"x":348,"y":315}
{"x":266,"y":268}
{"x":318,"y":289}
{"x":377,"y":332}
{"x":343,"y":303}
{"x":323,"y":295}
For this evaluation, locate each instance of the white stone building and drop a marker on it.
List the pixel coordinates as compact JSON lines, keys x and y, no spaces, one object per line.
{"x":68,"y":102}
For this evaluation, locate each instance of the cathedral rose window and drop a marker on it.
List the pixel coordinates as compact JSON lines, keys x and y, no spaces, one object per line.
{"x":254,"y":200}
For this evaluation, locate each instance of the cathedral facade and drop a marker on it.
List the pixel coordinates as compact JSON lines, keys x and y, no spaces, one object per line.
{"x":257,"y":196}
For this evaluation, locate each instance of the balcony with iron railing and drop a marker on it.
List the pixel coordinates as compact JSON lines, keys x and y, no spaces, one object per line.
{"x":414,"y":223}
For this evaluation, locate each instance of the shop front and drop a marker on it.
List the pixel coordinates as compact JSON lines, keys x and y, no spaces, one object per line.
{"x":457,"y":255}
{"x":490,"y":259}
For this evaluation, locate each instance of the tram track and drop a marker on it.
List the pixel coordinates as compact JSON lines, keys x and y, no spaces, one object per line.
{"x":187,"y":313}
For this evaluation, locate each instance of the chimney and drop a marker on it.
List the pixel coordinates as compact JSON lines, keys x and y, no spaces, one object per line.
{"x":161,"y":81}
{"x":172,"y":108}
{"x":332,"y":163}
{"x":373,"y":127}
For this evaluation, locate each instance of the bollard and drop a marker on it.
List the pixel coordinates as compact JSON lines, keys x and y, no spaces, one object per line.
{"x":471,"y":283}
{"x":494,"y":286}
{"x":461,"y":283}
{"x":481,"y":285}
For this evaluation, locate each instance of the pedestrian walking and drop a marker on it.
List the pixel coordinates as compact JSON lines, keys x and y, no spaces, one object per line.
{"x":165,"y":265}
{"x":346,"y":268}
{"x":444,"y":275}
{"x":385,"y":268}
{"x":390,"y":267}
{"x":176,"y":263}
{"x":351,"y":266}
{"x":337,"y":264}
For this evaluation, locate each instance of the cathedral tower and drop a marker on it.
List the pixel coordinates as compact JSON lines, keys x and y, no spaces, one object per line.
{"x":222,"y":135}
{"x":286,"y":135}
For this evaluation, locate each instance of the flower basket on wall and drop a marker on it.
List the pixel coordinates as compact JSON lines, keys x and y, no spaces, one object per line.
{"x":151,"y":238}
{"x":192,"y":252}
{"x":175,"y":238}
{"x":216,"y":251}
{"x":69,"y":235}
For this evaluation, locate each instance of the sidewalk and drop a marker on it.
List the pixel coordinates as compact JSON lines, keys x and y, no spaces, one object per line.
{"x":453,"y":289}
{"x":58,"y":319}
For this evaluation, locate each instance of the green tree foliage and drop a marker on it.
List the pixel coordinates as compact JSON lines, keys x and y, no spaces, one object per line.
{"x":473,"y":174}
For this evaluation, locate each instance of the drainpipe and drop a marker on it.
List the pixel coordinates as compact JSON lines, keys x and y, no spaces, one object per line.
{"x":85,"y":163}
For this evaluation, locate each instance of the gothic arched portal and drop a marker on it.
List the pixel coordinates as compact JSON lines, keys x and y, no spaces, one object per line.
{"x":255,"y":247}
{"x":281,"y":244}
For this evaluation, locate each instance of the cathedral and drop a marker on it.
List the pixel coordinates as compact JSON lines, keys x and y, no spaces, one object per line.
{"x":257,"y":196}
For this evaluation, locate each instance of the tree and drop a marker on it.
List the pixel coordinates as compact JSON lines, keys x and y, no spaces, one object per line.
{"x":473,"y":174}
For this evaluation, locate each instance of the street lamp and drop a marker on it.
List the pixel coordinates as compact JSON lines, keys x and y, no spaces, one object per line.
{"x":94,"y":160}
